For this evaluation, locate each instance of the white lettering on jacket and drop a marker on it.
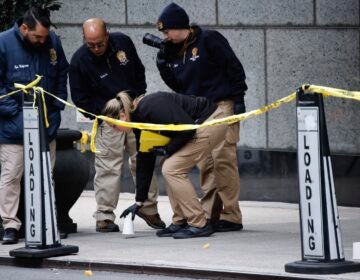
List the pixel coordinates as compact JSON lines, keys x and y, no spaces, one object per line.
{"x":21,"y":66}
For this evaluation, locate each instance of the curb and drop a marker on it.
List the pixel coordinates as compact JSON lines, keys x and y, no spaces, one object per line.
{"x":142,"y":269}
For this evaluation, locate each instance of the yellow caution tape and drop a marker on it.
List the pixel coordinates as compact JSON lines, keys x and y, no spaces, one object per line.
{"x":180,"y":127}
{"x":335,"y":92}
{"x":326,"y":91}
{"x":10,"y":93}
{"x":23,"y":88}
{"x":41,"y":91}
{"x":30,"y":85}
{"x":83,"y":141}
{"x":70,"y":104}
{"x":93,"y":134}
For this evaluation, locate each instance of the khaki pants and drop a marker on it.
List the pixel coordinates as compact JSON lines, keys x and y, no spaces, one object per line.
{"x":222,"y":188}
{"x":109,"y":160}
{"x":183,"y":198}
{"x":12,"y":169}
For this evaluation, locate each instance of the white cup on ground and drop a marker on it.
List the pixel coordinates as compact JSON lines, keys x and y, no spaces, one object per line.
{"x":128,"y":229}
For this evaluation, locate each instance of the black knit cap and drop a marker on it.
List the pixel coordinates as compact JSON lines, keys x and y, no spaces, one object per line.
{"x":173,"y":17}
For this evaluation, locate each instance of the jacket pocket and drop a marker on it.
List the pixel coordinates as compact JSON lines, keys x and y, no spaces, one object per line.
{"x":13,"y":128}
{"x":20,"y":75}
{"x":232,"y":133}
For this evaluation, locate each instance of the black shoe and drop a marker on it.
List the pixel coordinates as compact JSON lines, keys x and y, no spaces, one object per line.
{"x":223,"y":226}
{"x":191,"y":232}
{"x":10,"y":236}
{"x":170,"y":230}
{"x":63,"y":235}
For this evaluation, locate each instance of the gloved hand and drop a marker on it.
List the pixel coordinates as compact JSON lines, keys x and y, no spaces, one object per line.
{"x":239,"y":105}
{"x":159,"y":151}
{"x":161,"y":58}
{"x":133,"y":209}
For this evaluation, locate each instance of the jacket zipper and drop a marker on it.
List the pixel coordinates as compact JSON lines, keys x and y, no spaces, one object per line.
{"x":108,"y":63}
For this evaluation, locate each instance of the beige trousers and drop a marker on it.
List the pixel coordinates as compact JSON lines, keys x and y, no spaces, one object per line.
{"x":219,"y":175}
{"x":109,"y":160}
{"x":183,"y":198}
{"x":12,"y":169}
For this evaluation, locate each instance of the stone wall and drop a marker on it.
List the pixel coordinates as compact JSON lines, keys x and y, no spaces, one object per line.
{"x":281,"y":43}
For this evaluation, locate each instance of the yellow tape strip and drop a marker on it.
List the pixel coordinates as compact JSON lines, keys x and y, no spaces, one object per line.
{"x":30,"y":85}
{"x":84,"y":139}
{"x":70,"y":104}
{"x":180,"y":127}
{"x":326,"y":91}
{"x":10,"y":93}
{"x":40,"y":89}
{"x":23,"y":88}
{"x":93,"y":134}
{"x":335,"y":92}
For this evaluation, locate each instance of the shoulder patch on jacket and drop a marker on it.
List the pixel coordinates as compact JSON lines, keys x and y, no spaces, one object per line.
{"x":53,"y":56}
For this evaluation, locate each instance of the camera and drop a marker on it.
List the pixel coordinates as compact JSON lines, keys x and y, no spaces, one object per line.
{"x":153,"y":41}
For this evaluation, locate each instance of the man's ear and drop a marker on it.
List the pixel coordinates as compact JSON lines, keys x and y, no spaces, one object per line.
{"x":24,"y":28}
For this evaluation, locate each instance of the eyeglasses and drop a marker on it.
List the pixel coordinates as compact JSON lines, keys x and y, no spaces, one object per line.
{"x":96,"y":46}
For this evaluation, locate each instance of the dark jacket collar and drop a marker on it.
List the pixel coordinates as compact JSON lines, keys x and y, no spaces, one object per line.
{"x":18,"y":33}
{"x":179,"y":49}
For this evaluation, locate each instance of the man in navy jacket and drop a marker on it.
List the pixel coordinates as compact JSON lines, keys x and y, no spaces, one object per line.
{"x":104,"y":65}
{"x":26,"y":49}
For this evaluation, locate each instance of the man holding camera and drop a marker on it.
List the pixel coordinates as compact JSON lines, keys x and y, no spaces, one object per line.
{"x":195,"y":61}
{"x":106,"y":64}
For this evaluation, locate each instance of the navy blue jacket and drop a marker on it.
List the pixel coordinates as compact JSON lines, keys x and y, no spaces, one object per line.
{"x":95,"y":80}
{"x":19,"y":63}
{"x":166,"y":108}
{"x":207,"y":67}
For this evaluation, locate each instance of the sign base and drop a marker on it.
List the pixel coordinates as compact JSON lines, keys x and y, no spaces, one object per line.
{"x":316,"y":267}
{"x":44,"y":253}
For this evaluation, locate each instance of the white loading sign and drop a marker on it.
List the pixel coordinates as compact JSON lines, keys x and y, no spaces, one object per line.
{"x":32,"y":177}
{"x":310,"y":182}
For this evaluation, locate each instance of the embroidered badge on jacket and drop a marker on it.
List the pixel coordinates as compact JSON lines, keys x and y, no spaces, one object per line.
{"x":160,"y":25}
{"x":53,"y":56}
{"x":121,"y":56}
{"x":194,"y":53}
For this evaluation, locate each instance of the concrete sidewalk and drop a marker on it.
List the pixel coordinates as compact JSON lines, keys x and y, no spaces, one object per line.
{"x":270,"y":239}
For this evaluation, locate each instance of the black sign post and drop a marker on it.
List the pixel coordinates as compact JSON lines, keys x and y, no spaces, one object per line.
{"x":321,"y":244}
{"x":42,"y":235}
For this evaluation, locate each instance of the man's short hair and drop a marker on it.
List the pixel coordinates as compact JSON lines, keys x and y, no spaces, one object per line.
{"x":37,"y":15}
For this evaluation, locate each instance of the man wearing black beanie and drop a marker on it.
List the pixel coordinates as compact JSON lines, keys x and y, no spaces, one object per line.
{"x":201,"y":62}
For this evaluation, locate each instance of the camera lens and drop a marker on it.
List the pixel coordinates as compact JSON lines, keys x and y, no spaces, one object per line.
{"x":153,"y":41}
